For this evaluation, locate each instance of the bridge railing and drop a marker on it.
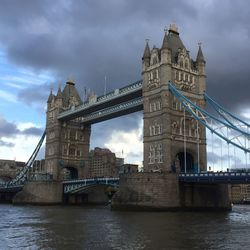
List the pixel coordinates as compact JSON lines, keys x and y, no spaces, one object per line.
{"x":223,"y":177}
{"x":74,"y":185}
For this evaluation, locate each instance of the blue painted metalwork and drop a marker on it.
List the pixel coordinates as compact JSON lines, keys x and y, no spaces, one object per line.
{"x":193,"y":110}
{"x":21,"y":177}
{"x":113,"y":110}
{"x":75,"y":186}
{"x":215,"y":177}
{"x":221,"y":110}
{"x":114,"y":95}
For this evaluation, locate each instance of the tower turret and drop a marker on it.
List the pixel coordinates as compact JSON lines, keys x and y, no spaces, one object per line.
{"x":165,"y":49}
{"x":200,"y":64}
{"x":50,"y":98}
{"x":146,"y":56}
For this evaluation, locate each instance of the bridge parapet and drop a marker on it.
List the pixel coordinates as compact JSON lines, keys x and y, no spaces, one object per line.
{"x":216,"y":177}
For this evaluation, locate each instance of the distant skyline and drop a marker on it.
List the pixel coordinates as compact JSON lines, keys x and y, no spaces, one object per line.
{"x":43,"y":43}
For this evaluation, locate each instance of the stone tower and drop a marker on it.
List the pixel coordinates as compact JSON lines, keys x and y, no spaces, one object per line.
{"x":172,"y":138}
{"x":67,"y":143}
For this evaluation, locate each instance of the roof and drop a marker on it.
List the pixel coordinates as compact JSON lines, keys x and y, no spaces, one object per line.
{"x":70,"y":91}
{"x":146,"y":53}
{"x":200,"y":57}
{"x":174,"y":43}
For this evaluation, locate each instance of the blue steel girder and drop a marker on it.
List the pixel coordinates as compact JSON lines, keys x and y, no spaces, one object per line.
{"x":78,"y":186}
{"x":21,"y":176}
{"x":118,"y":96}
{"x":202,"y":117}
{"x":215,"y":177}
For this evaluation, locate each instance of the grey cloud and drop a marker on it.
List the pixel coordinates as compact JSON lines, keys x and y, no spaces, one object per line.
{"x":215,"y":158}
{"x":35,"y":94}
{"x":93,"y":39}
{"x":7,"y":128}
{"x":10,"y":130}
{"x":32,"y":131}
{"x":6,"y":144}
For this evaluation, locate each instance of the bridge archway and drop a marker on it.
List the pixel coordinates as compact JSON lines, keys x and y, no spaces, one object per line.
{"x":69,"y":173}
{"x":190,"y":167}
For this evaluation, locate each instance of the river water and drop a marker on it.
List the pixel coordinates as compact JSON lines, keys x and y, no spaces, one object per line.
{"x":69,"y":227}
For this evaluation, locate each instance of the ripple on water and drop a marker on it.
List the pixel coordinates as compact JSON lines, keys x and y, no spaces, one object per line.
{"x":58,"y":227}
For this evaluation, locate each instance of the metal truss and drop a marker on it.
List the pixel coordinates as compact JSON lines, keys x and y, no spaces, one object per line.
{"x":221,"y":126}
{"x":21,"y":176}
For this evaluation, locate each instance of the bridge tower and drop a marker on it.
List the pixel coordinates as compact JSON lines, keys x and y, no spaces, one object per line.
{"x":67,"y":143}
{"x":173,"y":140}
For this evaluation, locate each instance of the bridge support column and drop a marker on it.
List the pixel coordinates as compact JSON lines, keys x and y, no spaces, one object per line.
{"x":40,"y":193}
{"x":162,"y":191}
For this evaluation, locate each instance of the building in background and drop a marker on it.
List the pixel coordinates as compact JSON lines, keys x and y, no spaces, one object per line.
{"x":9,"y":169}
{"x":103,"y":163}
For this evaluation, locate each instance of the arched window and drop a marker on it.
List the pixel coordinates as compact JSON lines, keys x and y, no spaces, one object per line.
{"x":181,"y":64}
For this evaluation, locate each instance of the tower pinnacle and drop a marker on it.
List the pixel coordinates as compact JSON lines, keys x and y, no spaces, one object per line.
{"x":200,"y":57}
{"x":146,"y":53}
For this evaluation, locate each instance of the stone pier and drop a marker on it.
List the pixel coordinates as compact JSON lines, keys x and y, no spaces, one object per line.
{"x":162,"y":191}
{"x":40,"y":193}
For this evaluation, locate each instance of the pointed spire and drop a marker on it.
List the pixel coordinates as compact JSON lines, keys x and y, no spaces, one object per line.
{"x":165,"y":40}
{"x":200,"y":57}
{"x":146,"y":53}
{"x":59,"y":93}
{"x":50,"y":96}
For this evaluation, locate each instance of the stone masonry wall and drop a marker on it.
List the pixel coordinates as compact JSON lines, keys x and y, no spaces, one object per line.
{"x":156,"y":191}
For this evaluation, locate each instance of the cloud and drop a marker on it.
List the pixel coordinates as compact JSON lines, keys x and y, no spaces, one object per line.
{"x":6,"y":144}
{"x":33,"y":131}
{"x":88,"y":40}
{"x":127,"y":144}
{"x":18,"y":141}
{"x":11,"y":129}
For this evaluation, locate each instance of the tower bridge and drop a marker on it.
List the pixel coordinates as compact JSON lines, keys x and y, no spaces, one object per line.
{"x":173,"y":99}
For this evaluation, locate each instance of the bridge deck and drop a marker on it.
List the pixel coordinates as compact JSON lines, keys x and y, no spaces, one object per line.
{"x":114,"y":98}
{"x":216,"y":177}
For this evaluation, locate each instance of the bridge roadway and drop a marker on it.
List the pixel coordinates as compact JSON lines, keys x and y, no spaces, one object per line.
{"x":125,"y":98}
{"x":216,"y":177}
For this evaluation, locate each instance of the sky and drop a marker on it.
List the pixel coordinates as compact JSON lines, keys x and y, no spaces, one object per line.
{"x":44,"y":43}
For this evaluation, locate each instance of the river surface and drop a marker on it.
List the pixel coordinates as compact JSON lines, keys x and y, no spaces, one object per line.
{"x":69,"y":227}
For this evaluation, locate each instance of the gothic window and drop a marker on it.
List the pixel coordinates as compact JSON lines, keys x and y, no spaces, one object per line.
{"x":154,"y":60}
{"x":78,"y":152}
{"x":151,"y":154}
{"x":51,"y":150}
{"x":181,"y":76}
{"x":186,"y":64}
{"x":64,"y":150}
{"x":154,"y":74}
{"x":157,"y":74}
{"x":72,"y":135}
{"x":159,"y":105}
{"x":159,"y":153}
{"x":186,"y":77}
{"x":51,"y":115}
{"x":181,"y":64}
{"x":72,"y":150}
{"x":81,"y":137}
